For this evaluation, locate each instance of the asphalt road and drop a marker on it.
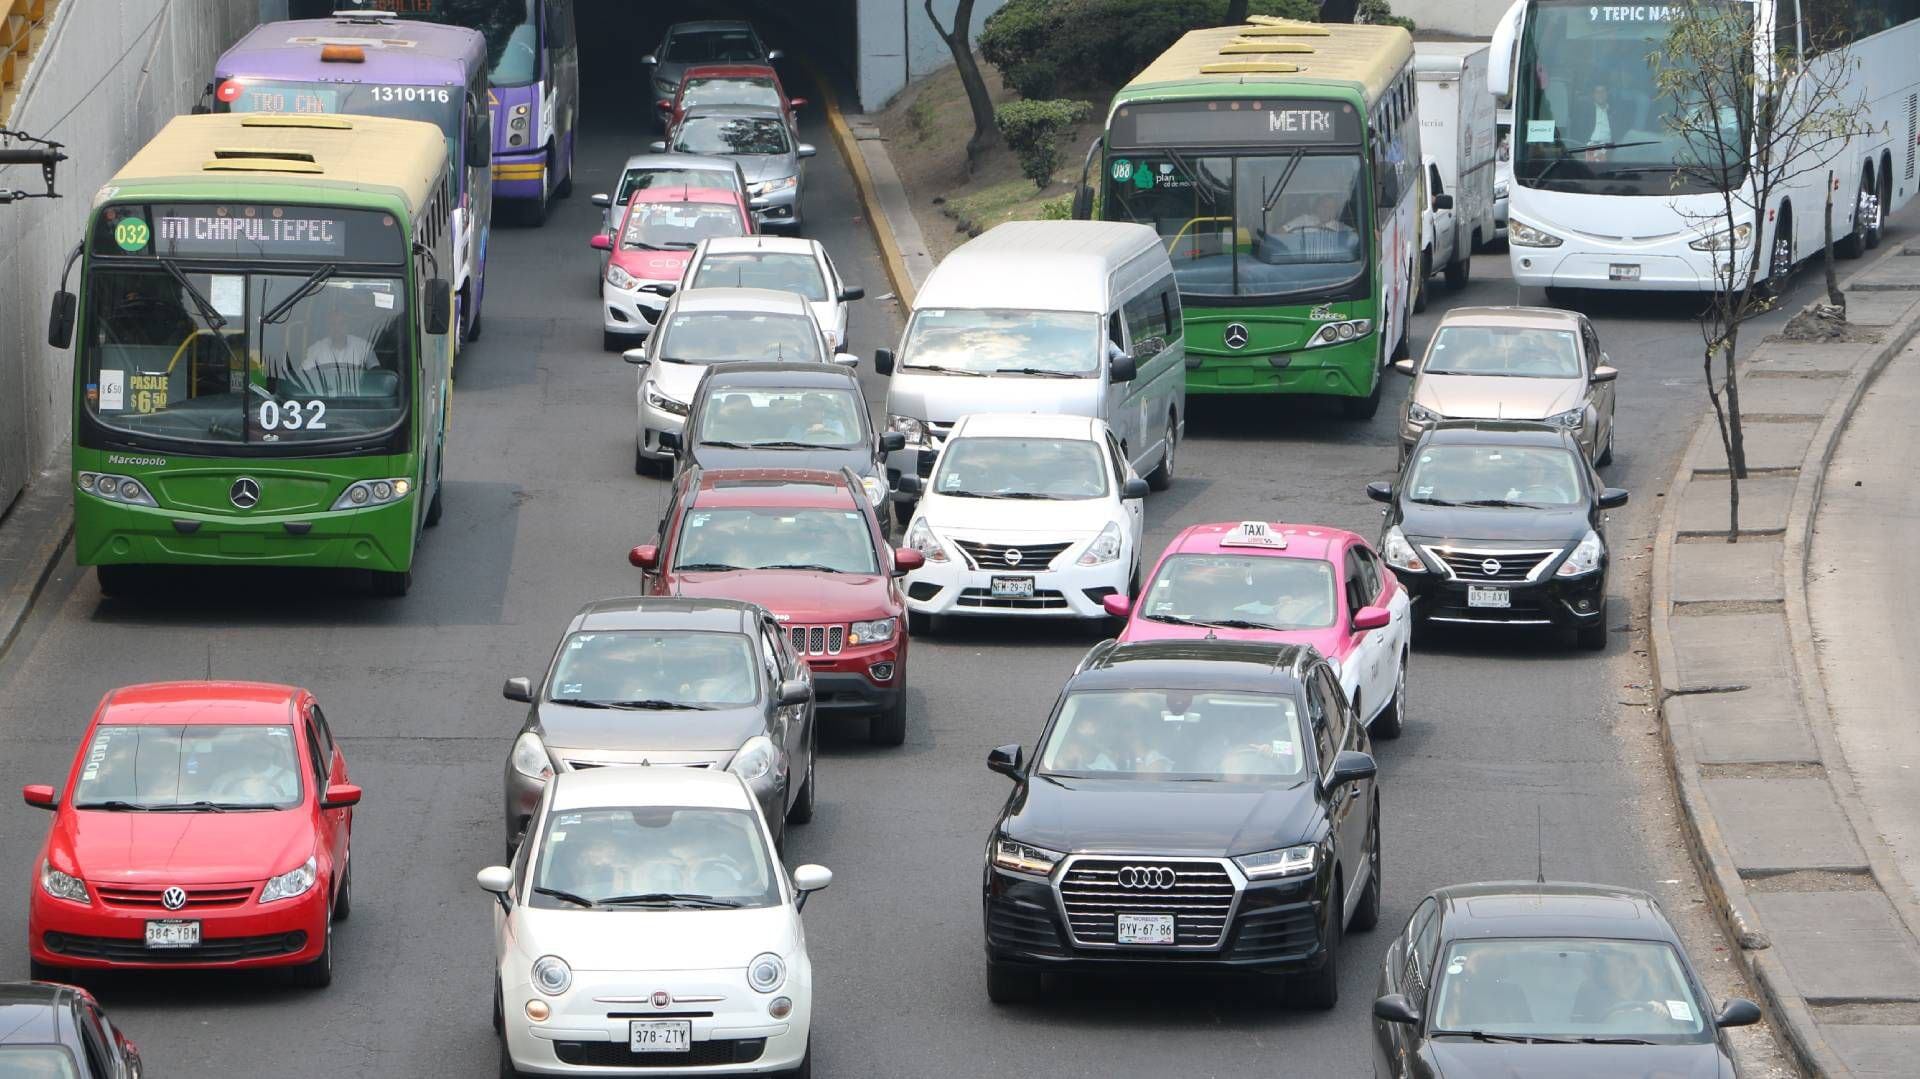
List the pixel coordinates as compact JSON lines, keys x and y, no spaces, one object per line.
{"x":1506,"y":735}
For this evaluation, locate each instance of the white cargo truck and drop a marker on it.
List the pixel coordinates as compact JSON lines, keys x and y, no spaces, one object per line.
{"x":1457,"y":136}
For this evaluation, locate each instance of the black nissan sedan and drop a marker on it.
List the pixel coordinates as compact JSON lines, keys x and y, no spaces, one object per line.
{"x":1190,"y":805}
{"x":1519,"y":979}
{"x":59,"y":1031}
{"x":1500,"y":523}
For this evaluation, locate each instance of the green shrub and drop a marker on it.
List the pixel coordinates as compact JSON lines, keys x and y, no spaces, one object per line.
{"x":1032,"y":130}
{"x":1060,"y":209}
{"x":1380,"y":13}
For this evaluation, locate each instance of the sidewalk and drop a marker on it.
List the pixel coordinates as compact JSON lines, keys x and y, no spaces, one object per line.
{"x":1790,"y":854}
{"x":33,"y":538}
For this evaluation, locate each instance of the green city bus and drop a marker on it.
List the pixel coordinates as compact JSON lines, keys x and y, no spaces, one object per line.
{"x":263,"y":366}
{"x":1279,"y":161}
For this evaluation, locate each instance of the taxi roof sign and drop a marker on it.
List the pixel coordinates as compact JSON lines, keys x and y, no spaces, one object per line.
{"x":1253,"y":534}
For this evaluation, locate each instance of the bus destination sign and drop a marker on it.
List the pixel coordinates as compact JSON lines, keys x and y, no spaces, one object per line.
{"x":1236,"y":123}
{"x":215,"y":230}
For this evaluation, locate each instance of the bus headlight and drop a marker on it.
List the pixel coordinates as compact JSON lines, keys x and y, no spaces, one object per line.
{"x":116,"y":489}
{"x":368,"y":493}
{"x":1521,"y":234}
{"x":1339,"y":333}
{"x":1717,"y":240}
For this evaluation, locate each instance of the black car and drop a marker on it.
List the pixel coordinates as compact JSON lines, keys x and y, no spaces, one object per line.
{"x":1545,"y":979}
{"x":785,"y":415}
{"x":1190,"y":805}
{"x":59,"y":1030}
{"x":1500,"y":524}
{"x":669,"y":682}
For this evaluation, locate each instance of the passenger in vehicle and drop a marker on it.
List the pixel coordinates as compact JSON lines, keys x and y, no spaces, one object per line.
{"x":1477,"y":995}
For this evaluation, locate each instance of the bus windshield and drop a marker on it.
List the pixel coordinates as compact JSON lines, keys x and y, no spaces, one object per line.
{"x":1280,"y":224}
{"x":1588,"y":117}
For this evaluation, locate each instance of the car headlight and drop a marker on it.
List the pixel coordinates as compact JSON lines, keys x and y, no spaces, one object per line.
{"x":530,"y":758}
{"x":293,"y":882}
{"x":552,"y":975}
{"x":620,"y":278}
{"x":1521,"y":234}
{"x":1585,"y":557}
{"x":1400,"y":554}
{"x":666,"y":87}
{"x":664,"y":403}
{"x":876,"y":489}
{"x":116,"y":489}
{"x":1104,"y":548}
{"x":1717,"y":240}
{"x":1339,"y":333}
{"x":1571,"y":419}
{"x":62,"y":885}
{"x":1015,"y":857}
{"x":913,"y":430}
{"x":920,"y":537}
{"x":766,"y":972}
{"x":768,"y":187}
{"x":755,"y":761}
{"x":880,"y":629}
{"x":1285,"y":862}
{"x":366,"y":493}
{"x":1421,"y":415}
{"x":1500,"y":190}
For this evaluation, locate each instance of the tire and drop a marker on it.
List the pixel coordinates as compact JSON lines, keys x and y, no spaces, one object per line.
{"x":479,"y":319}
{"x":1780,"y":255}
{"x":1854,"y":243}
{"x":1363,"y":408}
{"x":564,"y":188}
{"x":459,"y":322}
{"x":1420,"y":283}
{"x":391,"y":585}
{"x":1386,"y":726}
{"x":919,"y":624}
{"x":889,"y":727}
{"x":1010,"y":985}
{"x":117,"y":580}
{"x":319,"y":973}
{"x":1320,"y":989}
{"x":641,"y":466}
{"x":499,"y":1012}
{"x":1366,"y":915}
{"x":1592,"y":637}
{"x":1161,"y":477}
{"x":47,"y":972}
{"x":1606,"y":453}
{"x":802,"y":809}
{"x":1457,"y":272}
{"x":434,"y":508}
{"x":343,"y":902}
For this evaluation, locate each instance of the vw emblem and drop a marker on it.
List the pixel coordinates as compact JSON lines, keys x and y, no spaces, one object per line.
{"x":1157,"y":877}
{"x":174,"y":898}
{"x":245,"y":492}
{"x":662,"y":998}
{"x":1012,"y":556}
{"x":1236,"y":335}
{"x":1491,"y":566}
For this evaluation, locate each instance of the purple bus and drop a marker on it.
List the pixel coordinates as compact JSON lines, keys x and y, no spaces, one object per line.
{"x":368,"y":64}
{"x":533,"y":59}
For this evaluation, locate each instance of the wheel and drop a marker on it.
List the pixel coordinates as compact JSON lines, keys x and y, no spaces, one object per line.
{"x":1010,"y":985}
{"x":459,"y":320}
{"x":1457,"y":272}
{"x":1420,"y":283}
{"x":46,"y":972}
{"x":392,"y":585}
{"x":117,"y":580}
{"x":435,"y":507}
{"x":641,"y":466}
{"x":479,"y":319}
{"x":805,"y":1070}
{"x":1882,"y":196}
{"x":1161,"y":477}
{"x":1387,"y":724}
{"x":1363,"y":408}
{"x":565,"y":187}
{"x":499,"y":1013}
{"x":802,"y":809}
{"x":1320,"y":989}
{"x":1592,"y":637}
{"x":1854,"y":243}
{"x":1780,"y":256}
{"x":319,"y":973}
{"x":533,"y":212}
{"x":919,"y":624}
{"x":889,"y":727}
{"x":343,"y":902}
{"x":1367,"y":914}
{"x":1606,"y":452}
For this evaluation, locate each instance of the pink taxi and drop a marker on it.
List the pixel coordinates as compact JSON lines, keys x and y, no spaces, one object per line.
{"x":1295,"y":584}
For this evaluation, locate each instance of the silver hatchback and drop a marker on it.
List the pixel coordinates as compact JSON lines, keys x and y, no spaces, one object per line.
{"x":758,"y":139}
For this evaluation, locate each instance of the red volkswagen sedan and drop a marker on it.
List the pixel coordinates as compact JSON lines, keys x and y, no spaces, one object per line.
{"x":203,"y":824}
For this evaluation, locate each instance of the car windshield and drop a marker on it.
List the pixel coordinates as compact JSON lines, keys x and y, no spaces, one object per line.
{"x":730,"y":90}
{"x":1567,"y":988}
{"x":635,"y":858}
{"x":1495,"y":475}
{"x":834,"y":541}
{"x":678,"y":226}
{"x":1503,"y":350}
{"x":711,"y":47}
{"x":1193,"y":735}
{"x":724,"y":336}
{"x":992,"y":341}
{"x":693,"y":670}
{"x":190,"y":766}
{"x":1242,"y":591}
{"x":782,"y":418}
{"x":1050,"y":468}
{"x":37,"y":1062}
{"x":777,"y":270}
{"x":652,"y":179}
{"x":732,"y":135}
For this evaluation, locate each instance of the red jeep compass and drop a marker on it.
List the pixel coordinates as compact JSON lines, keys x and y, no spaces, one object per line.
{"x":804,"y":544}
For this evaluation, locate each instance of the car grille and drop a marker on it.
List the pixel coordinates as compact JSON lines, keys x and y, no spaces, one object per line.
{"x":1277,"y":933}
{"x":1510,"y":567}
{"x":1043,"y":599}
{"x":222,"y":950}
{"x":201,"y":897}
{"x":1032,"y":557}
{"x":817,"y":640}
{"x":1022,"y":926}
{"x":1201,"y":899}
{"x":617,"y":1055}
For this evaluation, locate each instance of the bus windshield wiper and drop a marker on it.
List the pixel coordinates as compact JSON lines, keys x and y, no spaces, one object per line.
{"x":1572,"y":150}
{"x":1487,"y":1036}
{"x":215,"y":320}
{"x":311,"y":285}
{"x":565,"y":897}
{"x":671,"y":899}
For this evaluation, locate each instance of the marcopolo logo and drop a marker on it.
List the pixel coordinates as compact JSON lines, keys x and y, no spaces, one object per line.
{"x":125,"y":459}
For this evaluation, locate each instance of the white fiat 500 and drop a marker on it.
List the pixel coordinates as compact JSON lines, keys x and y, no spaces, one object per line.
{"x":1023,"y":514}
{"x":646,"y":924}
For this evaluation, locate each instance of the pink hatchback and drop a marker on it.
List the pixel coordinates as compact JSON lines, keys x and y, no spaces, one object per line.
{"x":1295,"y":584}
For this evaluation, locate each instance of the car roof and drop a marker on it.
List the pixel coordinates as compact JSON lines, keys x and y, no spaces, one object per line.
{"x":775,"y":373}
{"x":727,"y":71}
{"x":1302,"y":541}
{"x":679,"y":161}
{"x":1187,"y":664}
{"x":1555,"y":909}
{"x":643,"y":785}
{"x":1028,"y":424}
{"x":761,"y":242}
{"x":666,"y":612}
{"x":200,"y":702}
{"x":1497,"y":433}
{"x":1537,"y":318}
{"x":744,"y":300}
{"x":35,"y":1013}
{"x":713,"y":195}
{"x":722,"y":112}
{"x":770,"y":488}
{"x":700,"y":25}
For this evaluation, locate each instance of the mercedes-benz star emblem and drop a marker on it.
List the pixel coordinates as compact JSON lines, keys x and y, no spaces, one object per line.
{"x":662,"y":998}
{"x":245,"y":492}
{"x":1236,"y":335}
{"x":174,"y":898}
{"x":1491,"y":566}
{"x":1012,"y":556}
{"x":1158,"y":877}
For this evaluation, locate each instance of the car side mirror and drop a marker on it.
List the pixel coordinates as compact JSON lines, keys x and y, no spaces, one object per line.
{"x":601,"y":242}
{"x":661,"y":288}
{"x":649,"y":60}
{"x":658,"y":146}
{"x":808,"y":879}
{"x":1443,"y":202}
{"x":906,"y":560}
{"x":439,"y":309}
{"x":1118,"y":605}
{"x":664,"y":108}
{"x":60,"y":319}
{"x":1009,"y":761}
{"x":1613,"y":498}
{"x":341,"y":796}
{"x":518,"y":689}
{"x":39,"y":796}
{"x":776,"y":54}
{"x":892,"y":441}
{"x":602,"y":200}
{"x":636,"y":357}
{"x":1405,"y":367}
{"x":852,"y":293}
{"x":1134,"y":487}
{"x":1396,"y":1008}
{"x":1604,"y":373}
{"x":1120,"y":365}
{"x":1380,"y":491}
{"x":1371,"y":618}
{"x":759,"y":203}
{"x":670,"y":441}
{"x":646,"y":556}
{"x":793,"y":691}
{"x":883,"y":360}
{"x":796,"y":103}
{"x":805,"y":149}
{"x":846,"y":359}
{"x":1737,"y":1012}
{"x":1351,"y":766}
{"x":908,"y":485}
{"x":498,"y":880}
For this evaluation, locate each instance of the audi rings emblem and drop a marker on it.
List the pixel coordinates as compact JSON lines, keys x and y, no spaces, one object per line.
{"x":174,"y":898}
{"x":662,"y":998}
{"x":1491,"y":566}
{"x":1236,"y":335}
{"x":1012,"y":556}
{"x":1147,"y":877}
{"x":245,"y":492}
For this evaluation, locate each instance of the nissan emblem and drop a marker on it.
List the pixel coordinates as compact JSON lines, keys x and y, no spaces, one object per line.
{"x":1491,"y":566}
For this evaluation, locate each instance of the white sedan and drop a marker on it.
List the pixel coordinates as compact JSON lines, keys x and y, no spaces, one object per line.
{"x":781,"y":263}
{"x":1024,"y":514}
{"x":646,"y":924}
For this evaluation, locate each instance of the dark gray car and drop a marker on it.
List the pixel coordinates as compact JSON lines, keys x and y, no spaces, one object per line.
{"x":706,"y":41}
{"x":667,"y":682}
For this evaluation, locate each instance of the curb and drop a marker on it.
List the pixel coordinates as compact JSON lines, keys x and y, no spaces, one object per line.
{"x":1726,"y":888}
{"x":877,"y":220}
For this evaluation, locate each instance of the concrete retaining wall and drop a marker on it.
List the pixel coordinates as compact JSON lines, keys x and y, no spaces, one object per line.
{"x":898,"y":44}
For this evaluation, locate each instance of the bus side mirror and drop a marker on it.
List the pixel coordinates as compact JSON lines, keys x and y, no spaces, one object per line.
{"x":60,"y":319}
{"x":883,"y":360}
{"x":1082,"y":203}
{"x":479,"y":143}
{"x":439,"y":309}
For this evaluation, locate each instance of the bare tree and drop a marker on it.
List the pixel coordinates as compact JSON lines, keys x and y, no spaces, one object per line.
{"x":959,"y":43}
{"x":1753,"y":121}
